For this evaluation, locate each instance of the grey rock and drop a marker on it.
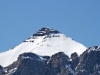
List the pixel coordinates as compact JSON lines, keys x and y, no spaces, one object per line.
{"x":88,"y":63}
{"x":59,"y":65}
{"x":75,"y":59}
{"x":30,"y":64}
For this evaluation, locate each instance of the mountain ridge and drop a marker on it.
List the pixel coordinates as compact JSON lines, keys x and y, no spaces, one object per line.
{"x":41,"y":43}
{"x":49,"y":52}
{"x":88,"y":63}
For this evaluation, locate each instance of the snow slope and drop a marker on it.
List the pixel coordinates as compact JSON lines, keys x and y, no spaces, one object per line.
{"x":42,"y":45}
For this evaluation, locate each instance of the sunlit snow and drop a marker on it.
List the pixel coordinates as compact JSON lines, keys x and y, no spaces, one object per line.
{"x":42,"y":45}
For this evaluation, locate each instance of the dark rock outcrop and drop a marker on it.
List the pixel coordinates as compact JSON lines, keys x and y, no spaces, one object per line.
{"x":88,"y":63}
{"x":30,"y":64}
{"x":43,"y":32}
{"x":74,"y":59}
{"x":46,"y":31}
{"x":2,"y":72}
{"x":59,"y":64}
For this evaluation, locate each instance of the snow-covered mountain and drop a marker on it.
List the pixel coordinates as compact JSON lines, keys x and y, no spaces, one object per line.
{"x":46,"y":41}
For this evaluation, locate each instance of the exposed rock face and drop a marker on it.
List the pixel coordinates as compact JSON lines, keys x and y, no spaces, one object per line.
{"x":1,"y":71}
{"x":45,"y":31}
{"x":59,"y":64}
{"x":30,"y":64}
{"x":88,"y":63}
{"x":75,"y":60}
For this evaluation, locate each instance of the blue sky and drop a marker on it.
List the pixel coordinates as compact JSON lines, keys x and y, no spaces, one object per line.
{"x":78,"y":19}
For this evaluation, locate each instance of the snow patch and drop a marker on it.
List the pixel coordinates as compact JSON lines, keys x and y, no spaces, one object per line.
{"x":70,"y":69}
{"x":94,"y":48}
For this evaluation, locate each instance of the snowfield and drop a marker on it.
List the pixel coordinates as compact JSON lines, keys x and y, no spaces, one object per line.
{"x":42,"y":45}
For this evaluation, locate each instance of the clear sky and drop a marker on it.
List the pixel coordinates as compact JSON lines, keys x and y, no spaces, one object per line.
{"x":78,"y":19}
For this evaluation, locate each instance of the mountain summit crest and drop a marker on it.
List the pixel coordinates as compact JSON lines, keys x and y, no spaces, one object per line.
{"x":46,"y":31}
{"x":44,"y":42}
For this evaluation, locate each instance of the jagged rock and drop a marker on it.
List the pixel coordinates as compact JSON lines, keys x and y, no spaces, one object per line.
{"x":12,"y":67}
{"x":2,"y":70}
{"x":59,"y":64}
{"x":88,"y":61}
{"x":45,"y":31}
{"x":30,"y":64}
{"x":45,"y":59}
{"x":75,"y":59}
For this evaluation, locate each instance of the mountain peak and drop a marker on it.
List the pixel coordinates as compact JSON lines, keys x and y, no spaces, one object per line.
{"x":44,"y":42}
{"x":46,"y":31}
{"x":43,"y":32}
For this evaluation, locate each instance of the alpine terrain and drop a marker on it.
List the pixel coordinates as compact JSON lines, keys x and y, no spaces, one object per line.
{"x":49,"y":52}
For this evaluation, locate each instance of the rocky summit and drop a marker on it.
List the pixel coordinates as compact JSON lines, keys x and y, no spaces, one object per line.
{"x":49,"y":52}
{"x":45,"y":42}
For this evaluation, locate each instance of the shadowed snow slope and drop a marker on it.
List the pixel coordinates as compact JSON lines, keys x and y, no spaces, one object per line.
{"x":44,"y":42}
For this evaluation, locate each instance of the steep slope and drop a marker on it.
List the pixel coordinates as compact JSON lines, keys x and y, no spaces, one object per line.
{"x":46,"y":41}
{"x":88,"y":63}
